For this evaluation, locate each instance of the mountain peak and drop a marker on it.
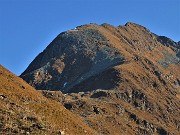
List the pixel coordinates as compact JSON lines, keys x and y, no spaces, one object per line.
{"x":89,"y":50}
{"x":121,"y":77}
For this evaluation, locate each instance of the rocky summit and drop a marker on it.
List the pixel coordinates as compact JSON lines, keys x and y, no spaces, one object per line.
{"x":119,"y":80}
{"x":72,"y":58}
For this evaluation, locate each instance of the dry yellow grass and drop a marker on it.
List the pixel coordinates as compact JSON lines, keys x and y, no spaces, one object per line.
{"x":23,"y":110}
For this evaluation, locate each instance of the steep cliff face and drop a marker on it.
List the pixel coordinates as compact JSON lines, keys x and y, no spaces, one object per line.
{"x":120,"y":80}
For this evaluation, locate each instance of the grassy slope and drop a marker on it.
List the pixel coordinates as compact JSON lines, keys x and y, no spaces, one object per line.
{"x":24,"y":110}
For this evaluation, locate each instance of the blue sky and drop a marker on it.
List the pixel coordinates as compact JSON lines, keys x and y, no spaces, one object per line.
{"x":28,"y":26}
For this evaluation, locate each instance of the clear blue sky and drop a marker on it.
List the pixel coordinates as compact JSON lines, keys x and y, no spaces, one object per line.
{"x":28,"y":26}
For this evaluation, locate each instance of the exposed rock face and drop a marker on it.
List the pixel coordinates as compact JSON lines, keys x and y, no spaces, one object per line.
{"x":74,"y":56}
{"x":120,"y":80}
{"x":170,"y":43}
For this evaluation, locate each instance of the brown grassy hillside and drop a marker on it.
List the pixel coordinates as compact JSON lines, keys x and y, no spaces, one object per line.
{"x":23,"y":110}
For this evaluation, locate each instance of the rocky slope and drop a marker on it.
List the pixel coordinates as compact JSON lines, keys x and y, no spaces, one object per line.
{"x":23,"y":110}
{"x":73,"y":57}
{"x":120,"y":80}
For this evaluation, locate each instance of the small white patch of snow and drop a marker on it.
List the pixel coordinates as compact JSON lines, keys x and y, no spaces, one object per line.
{"x":65,"y":84}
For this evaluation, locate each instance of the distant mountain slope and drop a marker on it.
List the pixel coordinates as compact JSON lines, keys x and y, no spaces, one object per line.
{"x":120,"y":80}
{"x":23,"y":110}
